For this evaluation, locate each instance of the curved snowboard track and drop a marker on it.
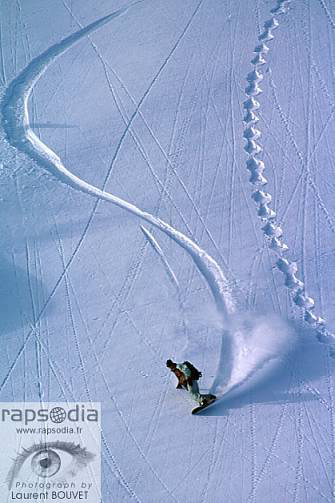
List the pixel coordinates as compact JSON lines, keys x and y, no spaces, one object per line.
{"x":19,"y":134}
{"x":16,"y":124}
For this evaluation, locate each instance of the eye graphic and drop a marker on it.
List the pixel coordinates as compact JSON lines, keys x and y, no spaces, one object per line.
{"x":48,"y":459}
{"x":46,"y":463}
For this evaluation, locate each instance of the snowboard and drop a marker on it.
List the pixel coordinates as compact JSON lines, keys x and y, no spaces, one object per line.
{"x":196,"y":410}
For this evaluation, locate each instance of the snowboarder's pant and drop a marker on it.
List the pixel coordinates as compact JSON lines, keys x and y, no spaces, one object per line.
{"x":194,"y":392}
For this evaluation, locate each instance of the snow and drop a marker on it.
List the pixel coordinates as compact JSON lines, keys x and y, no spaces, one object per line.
{"x":217,"y":247}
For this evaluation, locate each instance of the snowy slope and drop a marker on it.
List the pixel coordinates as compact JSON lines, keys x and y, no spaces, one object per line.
{"x":145,"y":111}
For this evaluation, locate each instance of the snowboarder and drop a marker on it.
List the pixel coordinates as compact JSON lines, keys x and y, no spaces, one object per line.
{"x":188,"y":377}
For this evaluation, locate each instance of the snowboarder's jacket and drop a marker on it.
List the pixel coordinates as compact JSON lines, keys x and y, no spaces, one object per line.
{"x":189,"y":371}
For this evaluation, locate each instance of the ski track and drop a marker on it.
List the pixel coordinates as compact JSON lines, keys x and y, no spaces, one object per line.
{"x":177,"y":141}
{"x":154,"y":350}
{"x":257,"y":15}
{"x":327,"y":13}
{"x":69,"y":285}
{"x":72,"y":319}
{"x":306,"y":480}
{"x":118,"y":410}
{"x":233,"y":137}
{"x":56,"y":48}
{"x":196,"y":253}
{"x":120,"y":299}
{"x":256,"y":166}
{"x":208,"y":81}
{"x":169,"y":271}
{"x":33,"y":310}
{"x":221,"y":445}
{"x":253,"y":465}
{"x":33,"y":314}
{"x":138,"y":264}
{"x":98,"y":362}
{"x":129,"y":122}
{"x":188,"y":472}
{"x":259,"y":476}
{"x":153,"y":425}
{"x":330,"y":390}
{"x":200,"y":89}
{"x":19,"y":134}
{"x":122,"y":296}
{"x":300,"y":444}
{"x":21,"y":325}
{"x":67,"y":391}
{"x":315,"y":444}
{"x":3,"y":68}
{"x":304,"y":164}
{"x":158,"y":408}
{"x":210,"y":467}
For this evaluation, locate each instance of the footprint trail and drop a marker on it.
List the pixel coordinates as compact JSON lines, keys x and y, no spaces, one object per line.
{"x":271,"y":228}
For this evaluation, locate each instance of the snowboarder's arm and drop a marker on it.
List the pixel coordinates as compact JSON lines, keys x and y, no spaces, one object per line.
{"x":186,"y":372}
{"x":182,"y":382}
{"x":184,"y":369}
{"x":182,"y":379}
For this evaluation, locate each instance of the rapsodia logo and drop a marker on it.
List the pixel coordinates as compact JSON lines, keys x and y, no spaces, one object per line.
{"x":57,"y":414}
{"x":50,"y":451}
